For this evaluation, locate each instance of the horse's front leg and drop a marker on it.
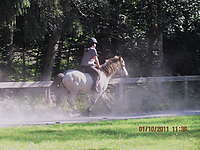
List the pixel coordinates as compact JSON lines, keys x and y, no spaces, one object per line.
{"x":93,"y":101}
{"x":104,"y":96}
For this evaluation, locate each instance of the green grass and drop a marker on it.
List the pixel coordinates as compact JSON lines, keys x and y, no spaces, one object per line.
{"x":120,"y":134}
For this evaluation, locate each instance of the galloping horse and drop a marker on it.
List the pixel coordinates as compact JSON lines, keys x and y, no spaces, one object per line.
{"x":73,"y":82}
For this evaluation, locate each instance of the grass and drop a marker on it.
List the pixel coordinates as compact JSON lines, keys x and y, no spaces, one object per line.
{"x":120,"y":134}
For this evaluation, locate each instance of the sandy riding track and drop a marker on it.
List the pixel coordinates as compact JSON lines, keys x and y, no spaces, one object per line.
{"x":47,"y":118}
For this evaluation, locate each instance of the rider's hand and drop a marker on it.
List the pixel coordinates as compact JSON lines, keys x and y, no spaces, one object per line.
{"x":98,"y":66}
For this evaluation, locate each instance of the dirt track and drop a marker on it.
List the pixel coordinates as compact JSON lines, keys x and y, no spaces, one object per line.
{"x":49,"y":119}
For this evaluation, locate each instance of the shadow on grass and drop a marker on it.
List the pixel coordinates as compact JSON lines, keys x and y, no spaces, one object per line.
{"x":107,"y":130}
{"x":157,"y":121}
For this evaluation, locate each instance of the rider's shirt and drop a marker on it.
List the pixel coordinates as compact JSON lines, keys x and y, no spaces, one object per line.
{"x":88,"y":57}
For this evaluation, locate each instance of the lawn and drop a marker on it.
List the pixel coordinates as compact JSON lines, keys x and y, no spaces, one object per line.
{"x":120,"y":134}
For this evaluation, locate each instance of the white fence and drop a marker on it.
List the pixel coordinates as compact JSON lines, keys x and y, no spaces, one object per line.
{"x":184,"y":79}
{"x":120,"y":81}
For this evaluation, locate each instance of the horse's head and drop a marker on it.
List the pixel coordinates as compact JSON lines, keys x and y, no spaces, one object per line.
{"x":113,"y":66}
{"x":122,"y":70}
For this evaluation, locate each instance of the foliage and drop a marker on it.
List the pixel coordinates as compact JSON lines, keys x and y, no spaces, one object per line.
{"x":119,"y":134}
{"x":10,"y":8}
{"x":32,"y":29}
{"x":128,"y":28}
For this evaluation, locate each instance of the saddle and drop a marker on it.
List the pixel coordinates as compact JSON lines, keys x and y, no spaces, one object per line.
{"x":81,"y":69}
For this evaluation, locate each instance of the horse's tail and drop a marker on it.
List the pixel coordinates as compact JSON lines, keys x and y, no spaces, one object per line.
{"x":57,"y":82}
{"x":55,"y":87}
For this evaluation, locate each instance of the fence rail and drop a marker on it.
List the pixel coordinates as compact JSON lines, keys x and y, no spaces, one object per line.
{"x":13,"y":85}
{"x":141,"y":80}
{"x":120,"y":81}
{"x":154,"y":79}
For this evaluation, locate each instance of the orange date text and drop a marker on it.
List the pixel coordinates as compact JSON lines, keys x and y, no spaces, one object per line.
{"x":153,"y":128}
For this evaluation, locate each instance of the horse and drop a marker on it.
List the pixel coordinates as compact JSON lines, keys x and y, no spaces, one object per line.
{"x":72,"y":82}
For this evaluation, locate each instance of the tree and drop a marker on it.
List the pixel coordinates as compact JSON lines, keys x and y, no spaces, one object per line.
{"x":62,"y":15}
{"x":9,"y":10}
{"x":146,"y":33}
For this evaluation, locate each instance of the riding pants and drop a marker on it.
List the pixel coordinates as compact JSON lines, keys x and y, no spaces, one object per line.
{"x":94,"y":74}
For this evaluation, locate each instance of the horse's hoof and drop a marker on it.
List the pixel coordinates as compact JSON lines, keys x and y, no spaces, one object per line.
{"x":75,"y":115}
{"x":74,"y":111}
{"x":87,"y":114}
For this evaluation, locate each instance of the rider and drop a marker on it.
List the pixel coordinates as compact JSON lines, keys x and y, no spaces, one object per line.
{"x":89,"y":59}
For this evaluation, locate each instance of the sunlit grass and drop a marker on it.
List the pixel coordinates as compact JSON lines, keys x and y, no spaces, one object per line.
{"x":120,"y":134}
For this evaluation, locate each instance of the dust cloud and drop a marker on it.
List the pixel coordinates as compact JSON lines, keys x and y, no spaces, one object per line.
{"x":13,"y":112}
{"x":27,"y":106}
{"x":155,"y":96}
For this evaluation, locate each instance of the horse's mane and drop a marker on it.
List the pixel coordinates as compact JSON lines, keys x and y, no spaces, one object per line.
{"x":111,"y":66}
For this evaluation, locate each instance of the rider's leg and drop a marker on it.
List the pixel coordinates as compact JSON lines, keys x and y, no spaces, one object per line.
{"x":95,"y":76}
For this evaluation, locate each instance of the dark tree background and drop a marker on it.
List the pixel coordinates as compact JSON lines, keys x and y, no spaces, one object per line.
{"x":40,"y":38}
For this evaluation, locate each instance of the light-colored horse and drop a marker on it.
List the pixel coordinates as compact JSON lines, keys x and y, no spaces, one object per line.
{"x":73,"y":82}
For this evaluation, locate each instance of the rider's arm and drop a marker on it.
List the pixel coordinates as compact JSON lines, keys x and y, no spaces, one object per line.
{"x":97,"y":61}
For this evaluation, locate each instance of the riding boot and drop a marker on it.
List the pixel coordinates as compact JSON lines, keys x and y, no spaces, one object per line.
{"x":94,"y":88}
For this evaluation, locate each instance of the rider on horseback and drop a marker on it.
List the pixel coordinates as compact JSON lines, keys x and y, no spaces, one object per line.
{"x":90,"y":57}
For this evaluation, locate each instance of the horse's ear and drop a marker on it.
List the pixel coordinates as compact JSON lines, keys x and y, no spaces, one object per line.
{"x":120,"y":57}
{"x":116,"y":57}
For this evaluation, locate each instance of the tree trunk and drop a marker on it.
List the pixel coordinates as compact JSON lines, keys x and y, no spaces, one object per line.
{"x":68,"y":57}
{"x":155,"y":32}
{"x":8,"y":44}
{"x":58,"y":58}
{"x":24,"y":64}
{"x":37,"y":64}
{"x":50,"y":56}
{"x":160,"y":49}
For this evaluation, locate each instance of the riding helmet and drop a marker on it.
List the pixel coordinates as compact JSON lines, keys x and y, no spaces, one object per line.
{"x":92,"y":40}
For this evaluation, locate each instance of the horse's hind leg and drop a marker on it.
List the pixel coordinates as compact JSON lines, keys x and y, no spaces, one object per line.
{"x":70,"y":99}
{"x":59,"y":99}
{"x":60,"y":94}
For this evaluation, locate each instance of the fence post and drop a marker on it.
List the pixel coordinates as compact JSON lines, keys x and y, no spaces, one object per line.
{"x":47,"y":96}
{"x":121,"y":94}
{"x":186,"y":88}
